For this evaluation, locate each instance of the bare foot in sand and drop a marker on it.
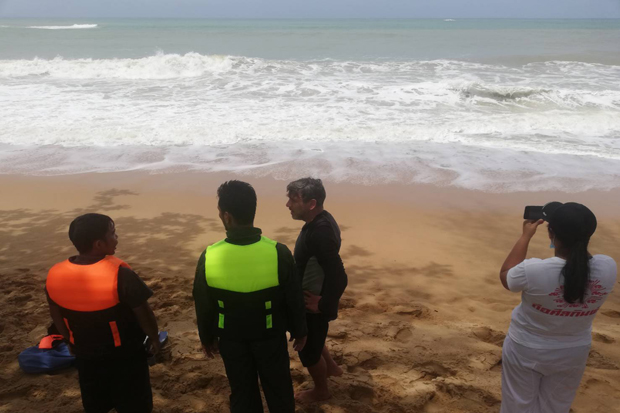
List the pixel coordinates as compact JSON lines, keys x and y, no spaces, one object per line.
{"x":334,"y":371}
{"x":332,"y":368}
{"x":311,"y":396}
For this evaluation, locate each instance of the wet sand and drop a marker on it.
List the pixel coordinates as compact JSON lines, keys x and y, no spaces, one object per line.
{"x":421,"y":324}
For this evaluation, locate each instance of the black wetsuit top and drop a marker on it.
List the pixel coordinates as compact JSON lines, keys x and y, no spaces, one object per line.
{"x":320,"y":240}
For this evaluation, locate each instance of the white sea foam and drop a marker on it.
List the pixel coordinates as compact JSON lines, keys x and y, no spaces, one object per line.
{"x":160,"y":66}
{"x":551,"y":125}
{"x":71,"y":27}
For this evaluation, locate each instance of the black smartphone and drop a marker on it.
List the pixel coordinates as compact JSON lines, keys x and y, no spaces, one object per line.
{"x":533,"y":212}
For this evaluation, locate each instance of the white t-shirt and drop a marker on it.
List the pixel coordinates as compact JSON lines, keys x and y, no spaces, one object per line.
{"x":544,"y":320}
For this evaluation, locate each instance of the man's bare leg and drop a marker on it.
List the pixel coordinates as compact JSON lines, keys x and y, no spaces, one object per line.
{"x":333,"y":369}
{"x":320,"y":391}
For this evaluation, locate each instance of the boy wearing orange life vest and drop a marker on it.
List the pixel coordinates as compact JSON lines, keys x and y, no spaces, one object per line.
{"x":100,"y":305}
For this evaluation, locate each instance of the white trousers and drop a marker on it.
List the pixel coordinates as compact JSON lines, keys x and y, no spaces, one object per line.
{"x":540,"y":381}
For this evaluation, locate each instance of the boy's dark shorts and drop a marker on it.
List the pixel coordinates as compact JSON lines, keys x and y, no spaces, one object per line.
{"x":121,"y":383}
{"x":318,"y":324}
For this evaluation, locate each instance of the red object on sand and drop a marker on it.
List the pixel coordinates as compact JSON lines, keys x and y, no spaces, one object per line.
{"x":48,"y":341}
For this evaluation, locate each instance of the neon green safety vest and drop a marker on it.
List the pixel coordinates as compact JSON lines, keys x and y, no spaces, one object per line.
{"x":247,"y":269}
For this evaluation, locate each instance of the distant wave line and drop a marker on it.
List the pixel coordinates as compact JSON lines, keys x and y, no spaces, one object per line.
{"x":74,"y":26}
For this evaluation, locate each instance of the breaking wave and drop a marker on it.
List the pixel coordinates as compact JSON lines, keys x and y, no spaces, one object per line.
{"x":476,"y":125}
{"x":160,"y":66}
{"x":71,"y":27}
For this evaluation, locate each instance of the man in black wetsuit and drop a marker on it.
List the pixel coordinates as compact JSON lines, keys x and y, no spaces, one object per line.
{"x":317,"y":256}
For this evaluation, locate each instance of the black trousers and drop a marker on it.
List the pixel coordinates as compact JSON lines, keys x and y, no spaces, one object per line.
{"x":245,"y":362}
{"x":116,"y":383}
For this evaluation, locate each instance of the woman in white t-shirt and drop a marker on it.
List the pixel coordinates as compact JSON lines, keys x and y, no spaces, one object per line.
{"x":548,"y":342}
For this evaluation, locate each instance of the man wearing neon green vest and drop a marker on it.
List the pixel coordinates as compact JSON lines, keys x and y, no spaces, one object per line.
{"x":247,"y":296}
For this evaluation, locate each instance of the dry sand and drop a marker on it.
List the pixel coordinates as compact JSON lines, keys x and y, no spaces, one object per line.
{"x":422,"y":321}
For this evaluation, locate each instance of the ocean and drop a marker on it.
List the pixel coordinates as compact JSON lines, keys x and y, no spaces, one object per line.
{"x":497,"y":105}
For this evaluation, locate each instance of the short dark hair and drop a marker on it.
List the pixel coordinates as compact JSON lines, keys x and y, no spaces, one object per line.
{"x":88,"y":228}
{"x":239,"y":200}
{"x":308,"y":189}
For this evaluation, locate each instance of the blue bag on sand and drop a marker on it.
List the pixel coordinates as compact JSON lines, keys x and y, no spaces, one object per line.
{"x":39,"y":359}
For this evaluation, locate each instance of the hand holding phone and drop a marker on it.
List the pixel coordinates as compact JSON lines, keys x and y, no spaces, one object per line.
{"x":530,"y":227}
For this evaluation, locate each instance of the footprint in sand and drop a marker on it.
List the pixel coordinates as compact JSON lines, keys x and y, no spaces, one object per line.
{"x":346,"y":303}
{"x":154,"y":285}
{"x":414,"y":311}
{"x":357,"y":251}
{"x":602,"y":387}
{"x":372,"y":363}
{"x":488,"y":335}
{"x":362,"y":393}
{"x":164,"y":304}
{"x":403,"y":335}
{"x":473,"y":393}
{"x":433,"y":369}
{"x":6,"y":348}
{"x":338,"y":335}
{"x":598,"y":361}
{"x":182,"y":296}
{"x":18,"y":391}
{"x":602,"y":338}
{"x":611,"y":313}
{"x":21,"y":298}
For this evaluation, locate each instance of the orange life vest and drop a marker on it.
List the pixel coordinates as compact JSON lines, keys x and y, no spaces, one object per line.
{"x":88,"y":298}
{"x":91,"y":287}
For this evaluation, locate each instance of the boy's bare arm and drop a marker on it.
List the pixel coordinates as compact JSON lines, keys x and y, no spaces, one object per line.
{"x":148,"y":323}
{"x":59,"y":321}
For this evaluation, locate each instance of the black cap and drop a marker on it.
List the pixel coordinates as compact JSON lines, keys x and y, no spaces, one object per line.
{"x":549,"y":208}
{"x":570,"y":221}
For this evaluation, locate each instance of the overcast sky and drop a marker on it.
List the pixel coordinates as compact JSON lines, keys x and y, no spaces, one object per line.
{"x":311,"y":8}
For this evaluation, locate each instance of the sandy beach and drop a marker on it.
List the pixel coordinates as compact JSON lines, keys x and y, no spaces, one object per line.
{"x":421,"y":324}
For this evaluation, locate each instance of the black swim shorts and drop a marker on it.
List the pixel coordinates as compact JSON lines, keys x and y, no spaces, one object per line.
{"x":318,"y":324}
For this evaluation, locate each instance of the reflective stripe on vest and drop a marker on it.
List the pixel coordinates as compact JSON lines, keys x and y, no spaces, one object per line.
{"x":242,"y":269}
{"x":71,"y":339}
